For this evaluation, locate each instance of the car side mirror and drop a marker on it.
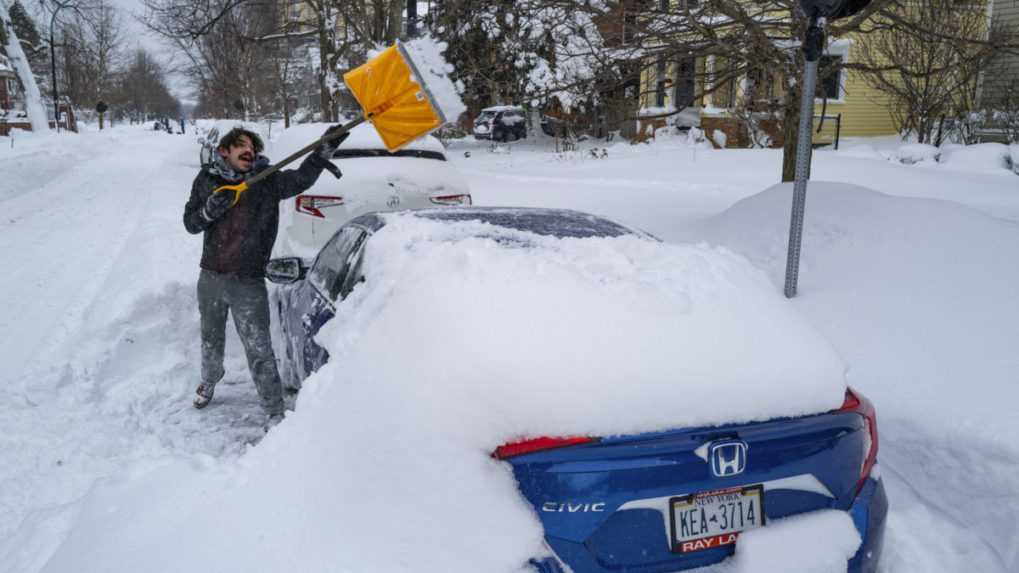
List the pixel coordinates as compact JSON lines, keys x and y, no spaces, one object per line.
{"x":286,"y":270}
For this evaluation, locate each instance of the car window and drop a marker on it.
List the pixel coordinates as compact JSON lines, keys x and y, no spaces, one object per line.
{"x":334,"y":261}
{"x":418,"y":153}
{"x":354,"y":274}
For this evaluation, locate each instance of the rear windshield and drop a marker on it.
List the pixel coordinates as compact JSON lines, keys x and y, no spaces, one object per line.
{"x":419,"y":153}
{"x":555,"y":223}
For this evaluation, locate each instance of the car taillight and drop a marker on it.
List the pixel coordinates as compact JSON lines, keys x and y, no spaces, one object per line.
{"x":451,"y":199}
{"x":533,"y":445}
{"x":313,"y":204}
{"x":859,"y":404}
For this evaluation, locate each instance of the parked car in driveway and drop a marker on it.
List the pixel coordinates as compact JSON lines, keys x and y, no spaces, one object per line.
{"x":374,"y":179}
{"x":668,"y":500}
{"x":501,"y":123}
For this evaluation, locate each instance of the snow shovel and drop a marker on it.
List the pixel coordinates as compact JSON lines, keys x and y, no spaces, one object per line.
{"x":393,"y":96}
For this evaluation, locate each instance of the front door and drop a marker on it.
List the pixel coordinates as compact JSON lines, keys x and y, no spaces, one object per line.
{"x":685,"y":87}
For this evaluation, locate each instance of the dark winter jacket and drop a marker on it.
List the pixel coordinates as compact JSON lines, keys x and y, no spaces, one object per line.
{"x":240,"y":242}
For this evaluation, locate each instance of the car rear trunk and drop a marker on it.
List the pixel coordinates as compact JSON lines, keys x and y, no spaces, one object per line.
{"x":605,"y":505}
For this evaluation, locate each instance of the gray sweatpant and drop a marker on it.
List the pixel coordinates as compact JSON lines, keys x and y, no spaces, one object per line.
{"x":248,"y":302}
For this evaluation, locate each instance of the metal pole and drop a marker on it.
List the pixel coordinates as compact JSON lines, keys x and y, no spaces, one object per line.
{"x":812,"y":46}
{"x":53,"y":72}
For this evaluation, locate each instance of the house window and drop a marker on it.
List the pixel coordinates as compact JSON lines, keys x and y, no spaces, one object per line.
{"x":629,"y":26}
{"x":661,"y":84}
{"x":829,"y":77}
{"x":723,"y":79}
{"x":683,"y":93}
{"x":760,"y":90}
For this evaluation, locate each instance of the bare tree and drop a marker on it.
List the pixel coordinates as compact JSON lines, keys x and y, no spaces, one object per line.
{"x":141,"y":91}
{"x":925,"y":59}
{"x":736,"y":39}
{"x":220,"y":37}
{"x":91,"y":54}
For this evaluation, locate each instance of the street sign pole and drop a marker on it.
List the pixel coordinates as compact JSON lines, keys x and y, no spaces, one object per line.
{"x":813,"y":44}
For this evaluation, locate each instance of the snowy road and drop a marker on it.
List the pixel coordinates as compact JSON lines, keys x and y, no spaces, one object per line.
{"x":99,"y":330}
{"x":99,"y":333}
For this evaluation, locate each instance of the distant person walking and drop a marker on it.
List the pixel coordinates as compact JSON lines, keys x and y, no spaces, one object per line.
{"x":182,"y":125}
{"x":238,"y":240}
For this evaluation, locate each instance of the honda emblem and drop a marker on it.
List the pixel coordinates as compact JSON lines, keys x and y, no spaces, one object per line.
{"x":728,"y":457}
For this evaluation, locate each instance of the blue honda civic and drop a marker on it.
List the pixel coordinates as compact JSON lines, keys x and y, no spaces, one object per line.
{"x":650,"y":503}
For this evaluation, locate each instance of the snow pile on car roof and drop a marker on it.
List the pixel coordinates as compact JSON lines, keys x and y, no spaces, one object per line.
{"x":363,"y":136}
{"x":455,"y":344}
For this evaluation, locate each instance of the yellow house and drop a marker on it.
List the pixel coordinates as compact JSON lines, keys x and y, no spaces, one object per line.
{"x":848,"y":103}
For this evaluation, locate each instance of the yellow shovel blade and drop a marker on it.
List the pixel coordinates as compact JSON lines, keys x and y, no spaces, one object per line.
{"x":397,"y":105}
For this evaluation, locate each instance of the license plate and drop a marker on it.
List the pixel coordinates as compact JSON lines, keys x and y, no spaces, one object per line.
{"x":715,"y":518}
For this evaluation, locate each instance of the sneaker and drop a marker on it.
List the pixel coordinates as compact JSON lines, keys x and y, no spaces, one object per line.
{"x":203,"y":395}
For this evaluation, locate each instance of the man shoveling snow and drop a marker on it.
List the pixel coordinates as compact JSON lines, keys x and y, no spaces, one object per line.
{"x":240,"y":230}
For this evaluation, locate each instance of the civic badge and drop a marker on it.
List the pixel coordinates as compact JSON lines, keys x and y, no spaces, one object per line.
{"x":727,"y":457}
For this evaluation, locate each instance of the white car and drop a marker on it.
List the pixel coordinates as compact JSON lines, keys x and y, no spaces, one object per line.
{"x":373,"y":180}
{"x":211,"y":132}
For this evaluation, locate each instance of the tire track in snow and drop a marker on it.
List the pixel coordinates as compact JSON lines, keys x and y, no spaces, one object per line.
{"x":111,"y":389}
{"x":69,"y":235}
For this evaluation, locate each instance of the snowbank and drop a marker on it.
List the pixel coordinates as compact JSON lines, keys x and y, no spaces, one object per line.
{"x":979,"y":156}
{"x":919,"y":296}
{"x":904,"y":268}
{"x":917,"y":153}
{"x":453,"y":346}
{"x":816,"y":542}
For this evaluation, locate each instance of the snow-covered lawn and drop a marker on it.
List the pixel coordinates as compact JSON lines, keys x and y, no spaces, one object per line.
{"x":913,"y":283}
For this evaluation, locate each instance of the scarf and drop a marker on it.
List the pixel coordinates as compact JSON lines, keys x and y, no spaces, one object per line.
{"x":220,"y":167}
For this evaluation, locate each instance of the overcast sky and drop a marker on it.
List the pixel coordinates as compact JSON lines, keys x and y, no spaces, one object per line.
{"x":137,"y":34}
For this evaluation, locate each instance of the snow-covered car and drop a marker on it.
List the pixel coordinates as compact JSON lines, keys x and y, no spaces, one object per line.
{"x":374,"y":179}
{"x":211,"y":132}
{"x":673,"y":498}
{"x":501,"y":123}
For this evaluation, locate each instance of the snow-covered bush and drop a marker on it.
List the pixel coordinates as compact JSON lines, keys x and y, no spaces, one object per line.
{"x":979,"y":156}
{"x":916,"y":153}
